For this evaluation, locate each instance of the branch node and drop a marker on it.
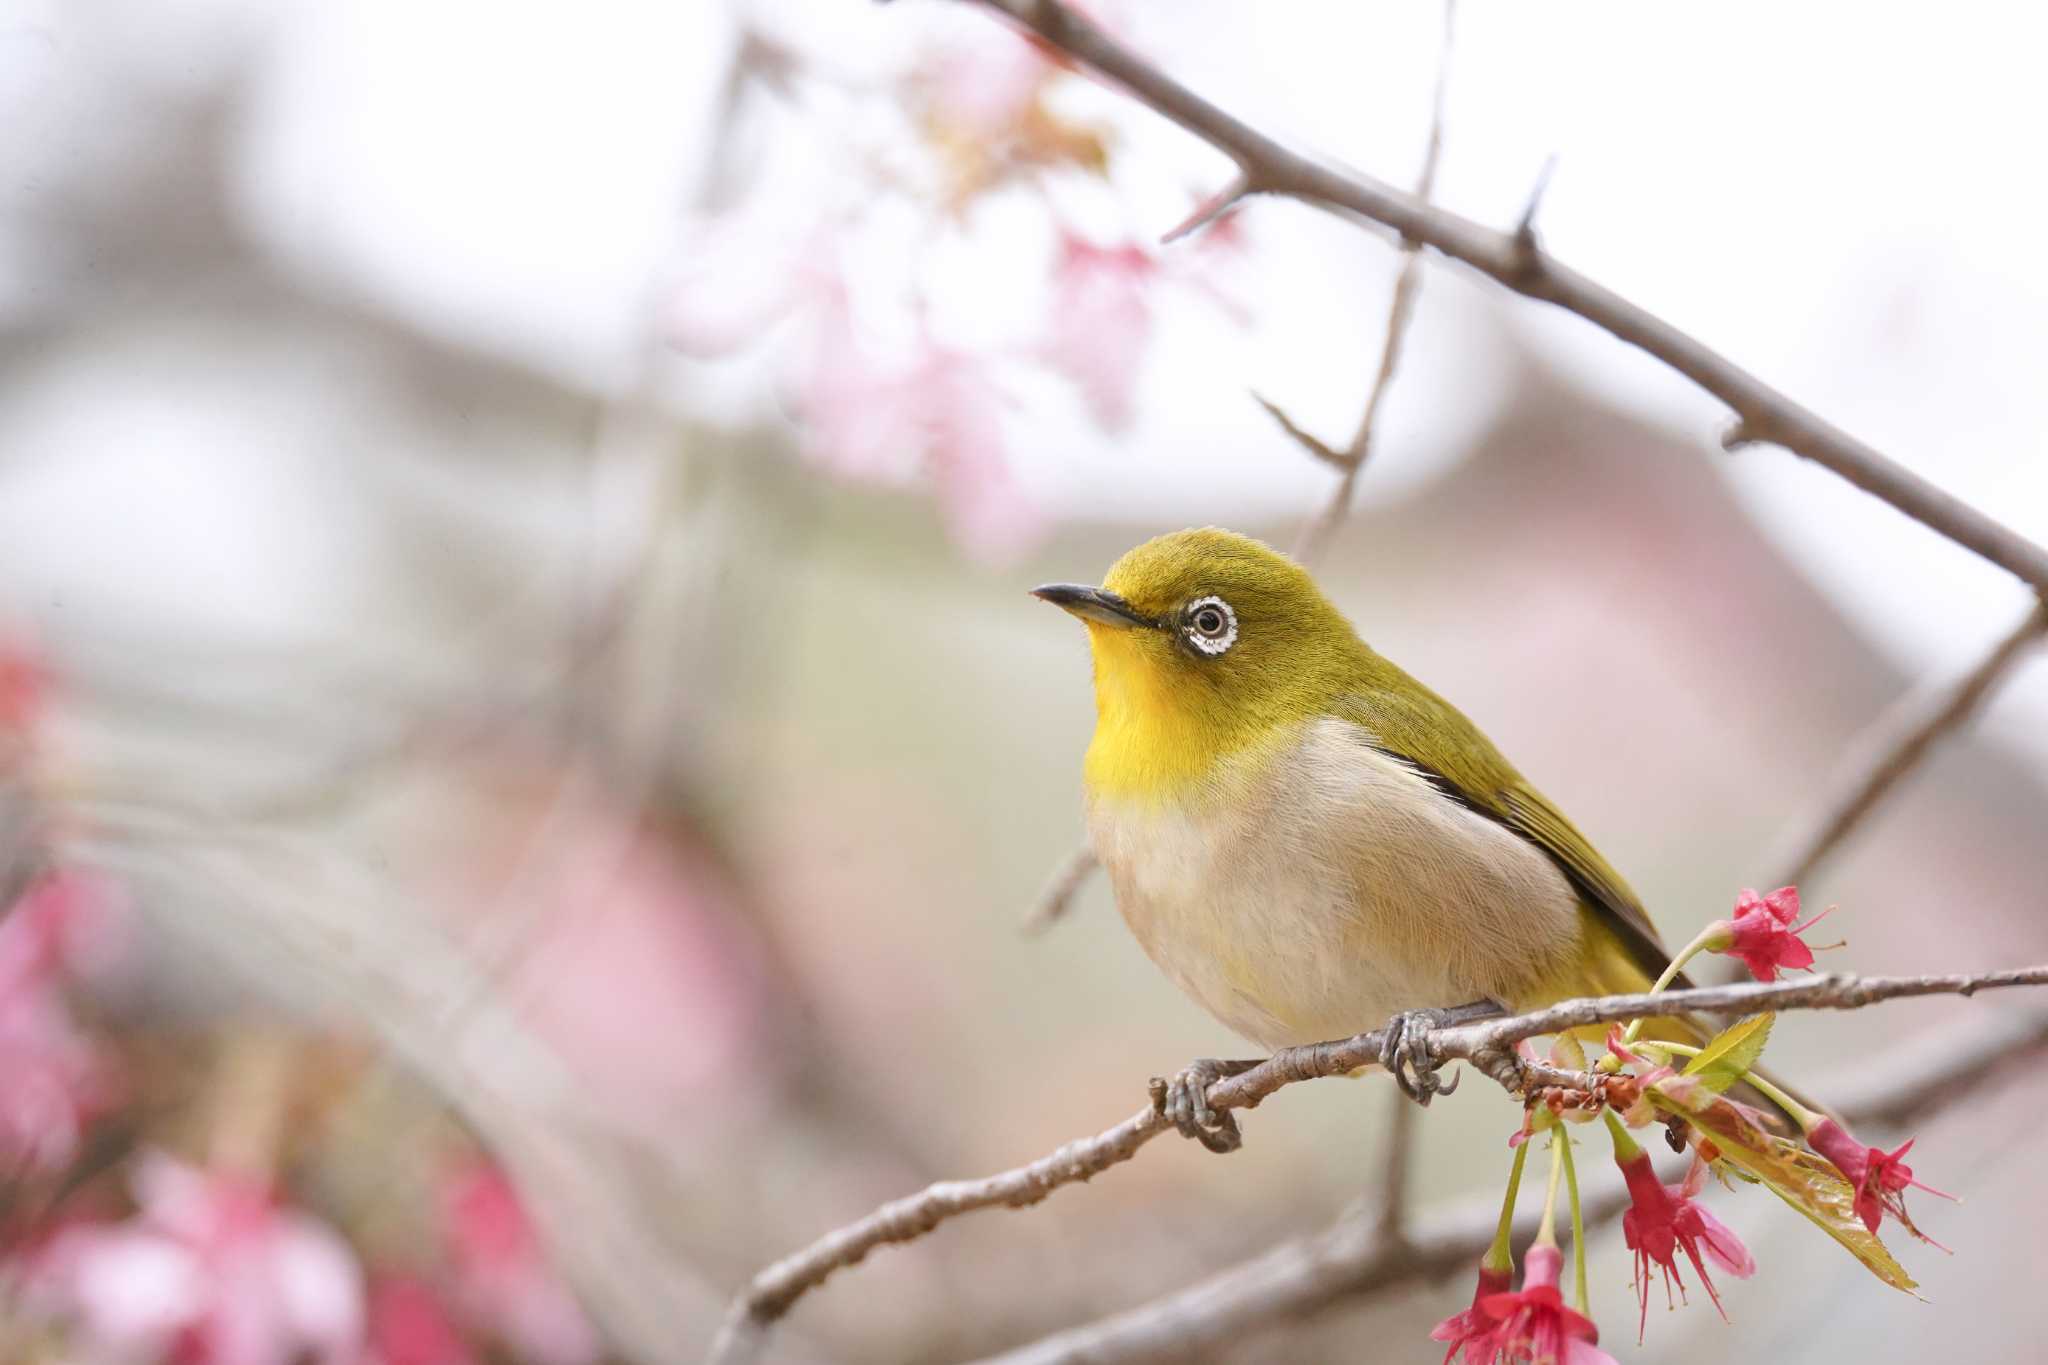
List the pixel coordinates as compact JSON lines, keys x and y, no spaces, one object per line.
{"x":1741,"y":432}
{"x":1528,"y":252}
{"x":1216,"y":206}
{"x":1334,"y":458}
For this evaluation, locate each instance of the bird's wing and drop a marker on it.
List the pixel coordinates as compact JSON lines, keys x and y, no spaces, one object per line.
{"x":1407,"y":721}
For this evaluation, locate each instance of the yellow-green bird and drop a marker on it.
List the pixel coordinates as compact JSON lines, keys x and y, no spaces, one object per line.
{"x":1308,"y":840}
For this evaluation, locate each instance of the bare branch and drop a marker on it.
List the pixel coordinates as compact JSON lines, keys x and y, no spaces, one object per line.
{"x":1302,"y":437}
{"x":1316,"y":535}
{"x":1395,"y":1160}
{"x":1896,"y":744}
{"x":1762,"y":412}
{"x":1058,"y":897}
{"x":1351,"y":1257}
{"x":1488,"y":1045}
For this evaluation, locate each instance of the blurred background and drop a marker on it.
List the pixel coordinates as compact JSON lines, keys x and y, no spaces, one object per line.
{"x":524,"y":750}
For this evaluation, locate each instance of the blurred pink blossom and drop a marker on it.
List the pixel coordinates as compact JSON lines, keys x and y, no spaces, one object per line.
{"x":939,"y":414}
{"x":956,"y":409}
{"x":985,"y":85}
{"x":24,"y":689}
{"x":53,"y":1078}
{"x":1099,"y":320}
{"x":211,"y":1270}
{"x":637,"y":964}
{"x":67,"y":921}
{"x":410,"y":1325}
{"x":502,"y":1277}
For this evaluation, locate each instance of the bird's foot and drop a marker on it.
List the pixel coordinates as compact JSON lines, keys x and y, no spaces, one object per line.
{"x":1406,"y":1053}
{"x":1184,"y":1102}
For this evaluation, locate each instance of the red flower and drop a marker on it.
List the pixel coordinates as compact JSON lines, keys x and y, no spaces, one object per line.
{"x":1664,"y":1219}
{"x":1472,"y":1331}
{"x":1881,"y":1178}
{"x":1762,"y":933}
{"x":1534,"y":1325}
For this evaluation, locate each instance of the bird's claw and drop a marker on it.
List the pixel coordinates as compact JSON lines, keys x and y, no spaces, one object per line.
{"x":1184,"y":1102}
{"x":1406,"y":1053}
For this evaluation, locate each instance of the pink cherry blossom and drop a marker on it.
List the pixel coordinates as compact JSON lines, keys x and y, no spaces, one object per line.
{"x":1881,"y":1178}
{"x":56,"y":1078}
{"x":1763,"y":934}
{"x":1099,"y":322}
{"x":24,"y":690}
{"x":939,"y":416}
{"x":1534,"y":1325}
{"x":984,"y":87}
{"x":211,"y":1270}
{"x":56,"y":1082}
{"x":1665,"y":1219}
{"x":1471,"y":1331}
{"x":502,"y":1277}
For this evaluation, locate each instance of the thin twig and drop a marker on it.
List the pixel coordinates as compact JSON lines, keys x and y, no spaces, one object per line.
{"x":1209,"y":210}
{"x":1762,"y":412}
{"x":1301,"y":436}
{"x":1400,"y":310}
{"x":1303,"y":1275}
{"x":1058,"y":897}
{"x":1395,"y":1159}
{"x":1896,"y":744}
{"x":1488,"y":1045}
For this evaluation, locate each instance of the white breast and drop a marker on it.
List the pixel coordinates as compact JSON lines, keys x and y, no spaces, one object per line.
{"x":1311,"y":894}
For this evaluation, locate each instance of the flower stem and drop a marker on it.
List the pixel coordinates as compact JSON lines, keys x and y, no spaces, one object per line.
{"x":1625,"y":1147}
{"x":1678,"y":961}
{"x":1546,"y":1232}
{"x":1798,"y":1112}
{"x":1561,"y":1139}
{"x":1500,"y":1256}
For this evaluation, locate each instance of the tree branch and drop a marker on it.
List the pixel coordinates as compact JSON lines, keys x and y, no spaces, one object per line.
{"x":1762,"y":413}
{"x":1058,"y":896}
{"x":1896,"y":744}
{"x":1351,"y":1257}
{"x":1488,"y":1045}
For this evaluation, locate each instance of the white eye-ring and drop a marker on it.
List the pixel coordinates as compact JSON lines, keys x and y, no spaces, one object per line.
{"x":1210,"y":625}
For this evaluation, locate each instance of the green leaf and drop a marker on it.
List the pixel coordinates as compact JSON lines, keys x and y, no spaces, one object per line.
{"x":1803,"y":1180}
{"x":1731,"y":1052}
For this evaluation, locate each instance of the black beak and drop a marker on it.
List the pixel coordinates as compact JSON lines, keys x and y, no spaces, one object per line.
{"x":1092,"y":604}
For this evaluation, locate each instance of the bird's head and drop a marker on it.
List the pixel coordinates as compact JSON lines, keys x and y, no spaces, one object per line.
{"x":1209,"y":639}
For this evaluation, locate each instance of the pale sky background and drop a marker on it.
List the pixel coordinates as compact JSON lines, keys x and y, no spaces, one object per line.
{"x":1845,"y":198}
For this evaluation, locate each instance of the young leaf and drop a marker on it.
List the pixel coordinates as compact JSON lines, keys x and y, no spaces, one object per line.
{"x":1733,"y":1051}
{"x":1801,"y":1179}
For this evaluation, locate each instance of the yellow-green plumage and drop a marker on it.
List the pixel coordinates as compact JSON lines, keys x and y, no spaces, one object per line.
{"x":1307,"y":838}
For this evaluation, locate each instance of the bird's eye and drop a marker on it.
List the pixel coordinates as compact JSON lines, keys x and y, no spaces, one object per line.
{"x":1211,"y":625}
